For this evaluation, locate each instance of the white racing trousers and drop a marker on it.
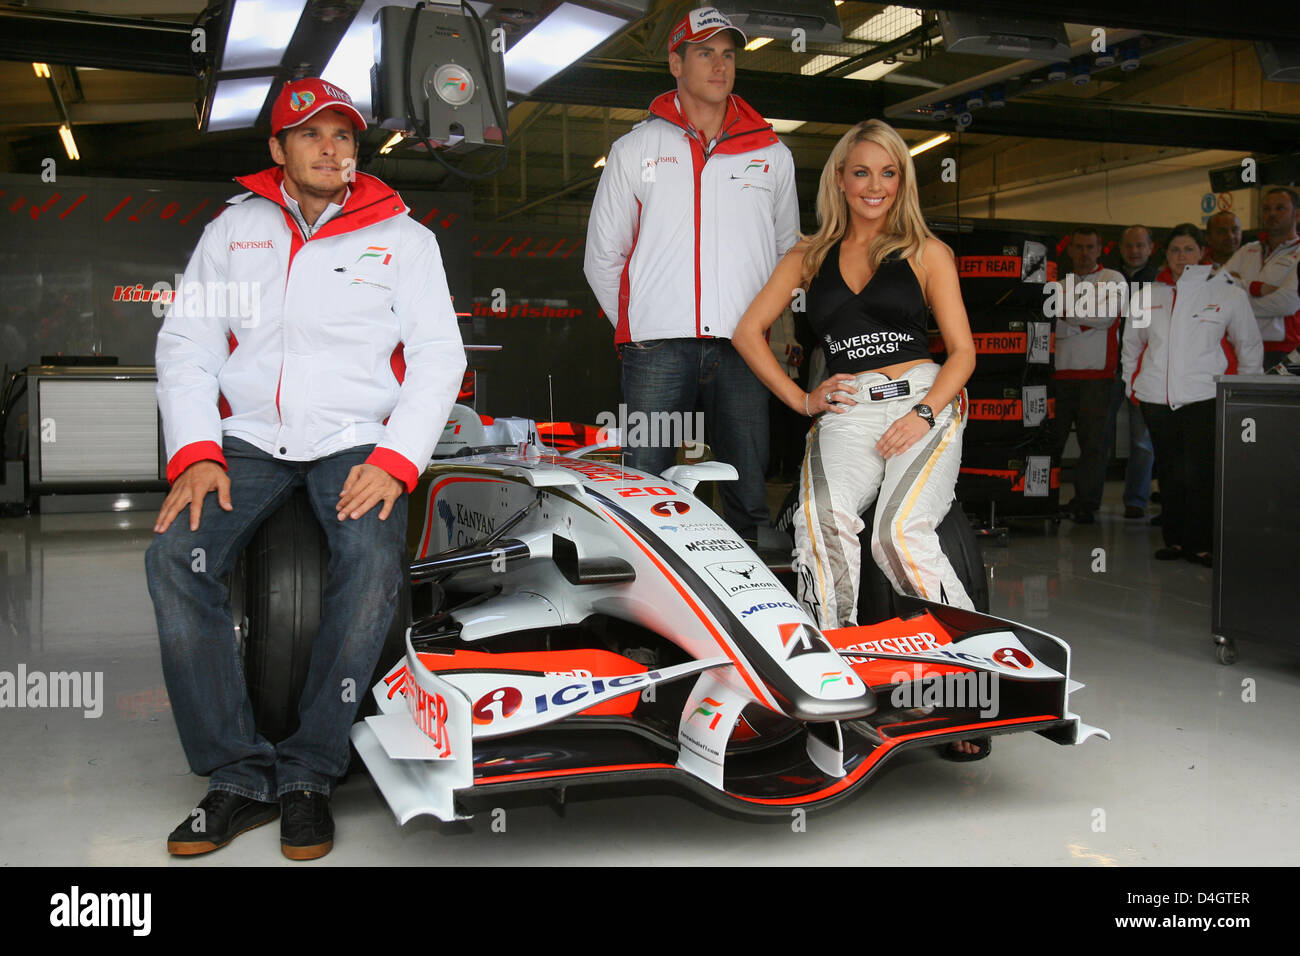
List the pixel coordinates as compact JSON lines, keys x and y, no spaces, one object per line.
{"x":843,"y":473}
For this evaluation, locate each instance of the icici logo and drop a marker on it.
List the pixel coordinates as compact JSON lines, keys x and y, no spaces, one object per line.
{"x":1015,"y":659}
{"x":666,"y":509}
{"x":500,"y":703}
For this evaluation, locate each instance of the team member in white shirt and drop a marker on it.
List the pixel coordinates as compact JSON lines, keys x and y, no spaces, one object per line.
{"x":1087,"y":356}
{"x":1170,"y":366}
{"x":695,"y":206}
{"x":1267,"y":271}
{"x":338,"y":378}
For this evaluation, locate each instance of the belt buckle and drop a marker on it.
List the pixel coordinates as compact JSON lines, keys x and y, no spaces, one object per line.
{"x":897,"y":388}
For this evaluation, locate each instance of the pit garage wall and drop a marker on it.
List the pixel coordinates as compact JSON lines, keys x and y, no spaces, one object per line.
{"x":531,"y":297}
{"x":1162,"y":194}
{"x":67,"y":246}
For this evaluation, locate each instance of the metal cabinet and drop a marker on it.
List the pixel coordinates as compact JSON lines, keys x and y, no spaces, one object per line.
{"x":1257,"y":512}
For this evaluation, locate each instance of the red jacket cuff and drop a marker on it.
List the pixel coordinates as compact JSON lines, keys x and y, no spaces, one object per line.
{"x":191,"y":453}
{"x":395,"y":465}
{"x":1255,"y":288}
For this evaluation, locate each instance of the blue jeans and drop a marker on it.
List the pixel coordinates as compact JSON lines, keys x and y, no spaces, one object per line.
{"x":1137,"y":474}
{"x":201,"y":664}
{"x":680,"y":375}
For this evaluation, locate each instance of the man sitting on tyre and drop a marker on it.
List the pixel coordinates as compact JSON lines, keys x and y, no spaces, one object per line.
{"x":330,"y":361}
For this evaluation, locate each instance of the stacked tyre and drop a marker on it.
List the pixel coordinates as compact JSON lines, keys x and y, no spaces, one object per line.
{"x":1007,"y":465}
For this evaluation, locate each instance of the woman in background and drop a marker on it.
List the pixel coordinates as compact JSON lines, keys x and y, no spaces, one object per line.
{"x":1169,"y":367}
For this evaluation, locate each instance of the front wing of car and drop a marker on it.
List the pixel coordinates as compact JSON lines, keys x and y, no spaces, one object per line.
{"x":459,"y":730}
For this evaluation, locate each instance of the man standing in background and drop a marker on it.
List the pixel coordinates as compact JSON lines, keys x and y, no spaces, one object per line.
{"x":1267,"y":268}
{"x":1135,"y":247}
{"x":1222,"y":239}
{"x":695,"y":207}
{"x":1087,"y":356}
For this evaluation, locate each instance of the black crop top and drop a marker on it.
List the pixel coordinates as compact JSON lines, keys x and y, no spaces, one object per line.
{"x":884,"y":324}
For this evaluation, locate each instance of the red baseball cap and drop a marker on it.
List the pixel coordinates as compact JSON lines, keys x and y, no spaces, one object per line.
{"x":700,"y":24}
{"x":302,"y":99}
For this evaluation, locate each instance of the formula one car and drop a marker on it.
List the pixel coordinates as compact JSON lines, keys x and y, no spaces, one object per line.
{"x":577,"y":622}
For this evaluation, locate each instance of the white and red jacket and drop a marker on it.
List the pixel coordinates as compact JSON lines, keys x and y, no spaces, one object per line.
{"x":1258,"y":265}
{"x":1088,"y":347}
{"x":315,"y":345}
{"x":1173,"y":360}
{"x":682,"y":237}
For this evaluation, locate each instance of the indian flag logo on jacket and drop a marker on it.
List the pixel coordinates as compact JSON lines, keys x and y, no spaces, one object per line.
{"x":377,"y":252}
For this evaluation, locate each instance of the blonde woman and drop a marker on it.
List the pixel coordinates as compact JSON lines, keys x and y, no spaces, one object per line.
{"x":889,"y":421}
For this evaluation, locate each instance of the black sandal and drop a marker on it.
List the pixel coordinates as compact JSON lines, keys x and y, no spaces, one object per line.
{"x":984,"y":743}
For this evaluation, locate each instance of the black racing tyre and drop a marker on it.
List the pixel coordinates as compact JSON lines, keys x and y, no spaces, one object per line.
{"x":877,"y":600}
{"x":285,"y":568}
{"x":277,"y":595}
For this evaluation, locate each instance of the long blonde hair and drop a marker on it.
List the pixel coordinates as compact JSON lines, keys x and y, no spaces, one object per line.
{"x":905,"y":229}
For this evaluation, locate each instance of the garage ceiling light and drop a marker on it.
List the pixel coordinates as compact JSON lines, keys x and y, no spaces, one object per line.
{"x":821,"y":63}
{"x":259,"y":33}
{"x":568,"y":33}
{"x":237,"y":103}
{"x":875,"y":71}
{"x":784,"y":126}
{"x":929,"y":144}
{"x":42,"y":70}
{"x":888,"y":25}
{"x":69,"y":143}
{"x":757,"y":43}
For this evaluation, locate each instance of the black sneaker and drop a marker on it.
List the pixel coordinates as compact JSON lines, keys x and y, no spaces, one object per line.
{"x":1133,"y":511}
{"x":1169,"y":554}
{"x":306,"y":827}
{"x":220,"y":817}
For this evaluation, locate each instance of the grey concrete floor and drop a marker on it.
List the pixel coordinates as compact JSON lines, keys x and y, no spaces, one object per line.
{"x":1197,"y":773}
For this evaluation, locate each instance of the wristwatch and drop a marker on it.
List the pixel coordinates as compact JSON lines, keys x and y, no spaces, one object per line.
{"x":925,"y":412}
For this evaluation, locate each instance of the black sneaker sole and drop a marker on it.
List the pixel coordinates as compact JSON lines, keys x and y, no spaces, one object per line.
{"x":306,"y":852}
{"x":199,"y":847}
